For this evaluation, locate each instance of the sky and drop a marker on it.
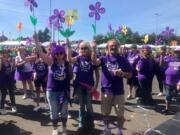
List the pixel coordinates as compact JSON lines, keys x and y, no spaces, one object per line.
{"x":139,"y":15}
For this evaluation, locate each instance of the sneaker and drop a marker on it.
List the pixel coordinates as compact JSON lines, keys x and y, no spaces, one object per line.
{"x":160,"y":94}
{"x":106,"y":132}
{"x":165,"y":111}
{"x":33,"y":96}
{"x":24,"y":96}
{"x":36,"y":108}
{"x":3,"y":111}
{"x":129,"y":97}
{"x":69,"y":116}
{"x":14,"y":109}
{"x":55,"y":132}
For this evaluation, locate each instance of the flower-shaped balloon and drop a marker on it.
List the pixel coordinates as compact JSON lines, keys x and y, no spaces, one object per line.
{"x":29,"y":41}
{"x":71,"y":17}
{"x":168,"y":32}
{"x":96,"y":10}
{"x":119,"y":30}
{"x":110,"y":28}
{"x":19,"y":26}
{"x":31,"y":4}
{"x":57,"y":18}
{"x":146,"y":38}
{"x":158,"y":41}
{"x":124,"y":30}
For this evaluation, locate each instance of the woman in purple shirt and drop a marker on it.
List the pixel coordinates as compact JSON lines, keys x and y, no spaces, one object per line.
{"x":6,"y":81}
{"x":172,"y":79}
{"x":161,"y":65}
{"x":133,"y":57}
{"x":84,"y":71}
{"x":58,"y":85}
{"x":146,"y":69}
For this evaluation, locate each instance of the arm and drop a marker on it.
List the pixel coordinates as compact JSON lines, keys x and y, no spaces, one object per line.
{"x":97,"y":75}
{"x":93,"y":55}
{"x":44,"y":56}
{"x":69,"y":53}
{"x":0,"y":63}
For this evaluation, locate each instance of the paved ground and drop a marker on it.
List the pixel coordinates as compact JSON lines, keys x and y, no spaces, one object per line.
{"x":27,"y":122}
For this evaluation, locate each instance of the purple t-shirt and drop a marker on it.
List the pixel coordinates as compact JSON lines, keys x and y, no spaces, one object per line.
{"x":84,"y":70}
{"x":58,"y":79}
{"x":173,"y":73}
{"x":133,"y":58}
{"x":146,"y":68}
{"x":113,"y":84}
{"x":41,"y":69}
{"x":6,"y":74}
{"x":160,"y":69}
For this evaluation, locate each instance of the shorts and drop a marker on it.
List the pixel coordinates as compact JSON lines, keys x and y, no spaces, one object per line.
{"x":107,"y":101}
{"x":170,"y":92}
{"x":132,"y":81}
{"x":40,"y":82}
{"x":23,"y":76}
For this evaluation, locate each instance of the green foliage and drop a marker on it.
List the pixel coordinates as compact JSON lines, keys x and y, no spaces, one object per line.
{"x":44,"y":36}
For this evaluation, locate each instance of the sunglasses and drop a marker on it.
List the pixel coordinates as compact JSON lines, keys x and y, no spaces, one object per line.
{"x":59,"y":53}
{"x":84,"y":48}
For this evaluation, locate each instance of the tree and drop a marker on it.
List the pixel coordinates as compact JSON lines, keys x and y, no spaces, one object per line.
{"x":44,"y":36}
{"x":99,"y":39}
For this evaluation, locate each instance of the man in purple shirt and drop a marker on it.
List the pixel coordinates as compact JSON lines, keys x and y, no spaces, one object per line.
{"x":114,"y":68}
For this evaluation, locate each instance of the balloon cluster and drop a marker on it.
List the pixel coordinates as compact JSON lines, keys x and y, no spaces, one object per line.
{"x":60,"y":17}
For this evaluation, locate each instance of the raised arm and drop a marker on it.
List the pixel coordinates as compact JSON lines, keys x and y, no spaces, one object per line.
{"x":0,"y":62}
{"x":69,"y":53}
{"x":97,"y":76}
{"x":93,"y":55}
{"x":43,"y":55}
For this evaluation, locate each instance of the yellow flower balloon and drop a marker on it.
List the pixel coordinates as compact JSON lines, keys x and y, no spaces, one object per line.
{"x":124,"y":29}
{"x":146,"y":38}
{"x":71,"y":17}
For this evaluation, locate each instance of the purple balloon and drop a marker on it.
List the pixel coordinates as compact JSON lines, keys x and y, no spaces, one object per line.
{"x":102,"y":10}
{"x":57,"y":18}
{"x":97,"y":16}
{"x":98,"y":5}
{"x":91,"y":7}
{"x":62,"y":13}
{"x":96,"y":10}
{"x":56,"y":12}
{"x":110,"y":27}
{"x":91,"y":14}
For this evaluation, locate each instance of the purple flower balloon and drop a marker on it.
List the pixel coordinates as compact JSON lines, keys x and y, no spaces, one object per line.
{"x":110,"y":27}
{"x":31,"y":4}
{"x":168,"y":32}
{"x":158,"y":41}
{"x":119,"y":30}
{"x":57,"y":18}
{"x":29,"y":41}
{"x":96,"y":10}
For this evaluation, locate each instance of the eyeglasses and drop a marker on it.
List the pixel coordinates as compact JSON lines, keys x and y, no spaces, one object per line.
{"x":59,"y":53}
{"x":84,"y":48}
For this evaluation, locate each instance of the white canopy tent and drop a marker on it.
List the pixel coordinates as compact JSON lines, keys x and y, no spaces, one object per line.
{"x":11,"y":44}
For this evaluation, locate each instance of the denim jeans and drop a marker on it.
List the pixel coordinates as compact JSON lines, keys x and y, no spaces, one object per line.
{"x":56,"y":106}
{"x":85,"y":102}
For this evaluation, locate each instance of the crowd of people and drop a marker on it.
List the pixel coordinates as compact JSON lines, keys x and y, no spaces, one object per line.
{"x":58,"y":67}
